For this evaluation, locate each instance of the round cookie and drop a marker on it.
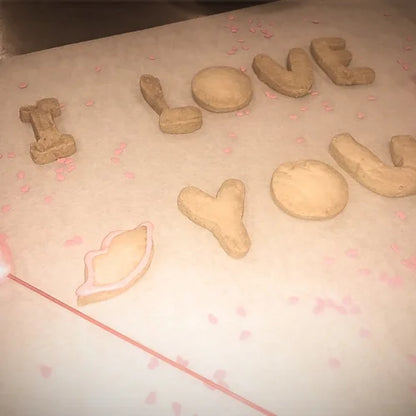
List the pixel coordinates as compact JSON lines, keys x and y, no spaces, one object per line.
{"x":309,"y":189}
{"x":221,"y":89}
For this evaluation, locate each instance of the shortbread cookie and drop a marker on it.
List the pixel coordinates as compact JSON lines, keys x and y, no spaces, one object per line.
{"x":178,"y":120}
{"x":309,"y":189}
{"x":367,"y":169}
{"x":221,"y":89}
{"x":295,"y":81}
{"x":50,"y":144}
{"x":330,"y":54}
{"x":123,"y":258}
{"x":403,"y":150}
{"x":222,"y":215}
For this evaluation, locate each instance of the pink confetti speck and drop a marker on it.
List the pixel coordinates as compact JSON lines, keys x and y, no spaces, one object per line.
{"x":247,"y":112}
{"x":20,"y":175}
{"x":245,"y":335}
{"x":25,"y":188}
{"x":360,"y":115}
{"x":407,"y":48}
{"x":177,"y":408}
{"x":89,"y":103}
{"x":45,"y":370}
{"x":293,"y":300}
{"x":118,"y":152}
{"x":77,"y":240}
{"x":393,"y":282}
{"x":234,"y":29}
{"x":328,"y":108}
{"x":231,"y":17}
{"x":61,"y":105}
{"x":300,"y":140}
{"x":98,"y":68}
{"x":47,"y":199}
{"x":151,"y":398}
{"x":241,"y":311}
{"x":61,"y":160}
{"x":212,"y":318}
{"x":245,"y":48}
{"x":122,"y":145}
{"x":151,"y":57}
{"x":59,"y":170}
{"x":129,"y":175}
{"x":23,"y":85}
{"x":364,"y":333}
{"x":243,"y":69}
{"x":314,"y":93}
{"x":269,"y":94}
{"x":11,"y":155}
{"x":241,"y":40}
{"x":231,"y":52}
{"x":227,"y":150}
{"x":60,"y":177}
{"x":395,"y":248}
{"x":371,"y":98}
{"x":232,"y":135}
{"x":153,"y":363}
{"x":252,"y":30}
{"x":412,"y":358}
{"x":410,"y":263}
{"x":334,"y":363}
{"x":352,"y":252}
{"x":293,"y":117}
{"x":315,"y":22}
{"x":115,"y":160}
{"x":181,"y":361}
{"x":5,"y":208}
{"x":68,"y":160}
{"x":268,"y":35}
{"x":234,"y":48}
{"x":401,"y":215}
{"x":239,"y":113}
{"x":304,"y":108}
{"x":70,"y":168}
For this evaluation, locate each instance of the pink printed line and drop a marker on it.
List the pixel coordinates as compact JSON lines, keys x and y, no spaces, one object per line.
{"x":144,"y":348}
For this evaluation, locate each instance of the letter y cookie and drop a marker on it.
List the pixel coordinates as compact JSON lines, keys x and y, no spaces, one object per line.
{"x":222,"y":215}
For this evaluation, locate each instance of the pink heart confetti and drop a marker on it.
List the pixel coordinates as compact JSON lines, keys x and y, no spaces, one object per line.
{"x":45,"y":370}
{"x":5,"y":208}
{"x":118,"y":152}
{"x":115,"y":160}
{"x":334,"y":363}
{"x":241,"y":311}
{"x":243,"y":69}
{"x":352,"y":252}
{"x":269,"y":94}
{"x":181,"y":361}
{"x":47,"y":199}
{"x":20,"y":175}
{"x":412,"y":358}
{"x":401,"y":215}
{"x":11,"y":155}
{"x":227,"y":150}
{"x":129,"y":175}
{"x":212,"y":318}
{"x":153,"y":363}
{"x":151,"y":398}
{"x":25,"y":188}
{"x":122,"y":145}
{"x":293,"y":300}
{"x":410,"y":263}
{"x":360,"y":115}
{"x":247,"y":112}
{"x":234,"y":29}
{"x":89,"y":103}
{"x":245,"y":334}
{"x":371,"y":98}
{"x":23,"y":85}
{"x":177,"y":408}
{"x":364,"y":333}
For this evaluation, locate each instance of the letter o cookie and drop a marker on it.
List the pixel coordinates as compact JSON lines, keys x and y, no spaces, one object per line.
{"x":221,"y":89}
{"x":309,"y":189}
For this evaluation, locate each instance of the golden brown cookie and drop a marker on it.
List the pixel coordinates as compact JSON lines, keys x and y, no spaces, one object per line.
{"x":330,"y":54}
{"x":221,"y":89}
{"x":295,"y":81}
{"x":367,"y":169}
{"x":309,"y":189}
{"x":222,"y":215}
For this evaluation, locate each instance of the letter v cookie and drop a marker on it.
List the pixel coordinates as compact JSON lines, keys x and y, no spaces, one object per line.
{"x":222,"y":215}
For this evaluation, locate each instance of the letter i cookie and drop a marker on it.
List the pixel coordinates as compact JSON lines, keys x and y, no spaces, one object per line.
{"x":222,"y":215}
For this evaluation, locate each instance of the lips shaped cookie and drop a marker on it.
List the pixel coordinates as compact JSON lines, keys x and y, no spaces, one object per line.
{"x":123,"y":258}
